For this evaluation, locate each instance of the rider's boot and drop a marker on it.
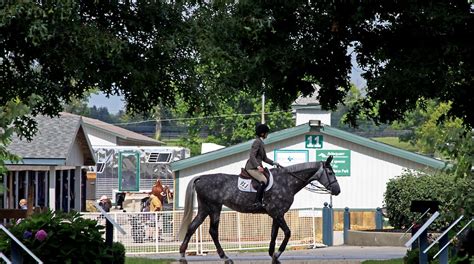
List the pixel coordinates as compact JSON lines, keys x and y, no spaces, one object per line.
{"x":259,"y":198}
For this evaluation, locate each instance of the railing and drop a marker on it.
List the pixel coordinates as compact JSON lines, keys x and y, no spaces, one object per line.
{"x":154,"y":233}
{"x":158,"y":232}
{"x":15,"y":250}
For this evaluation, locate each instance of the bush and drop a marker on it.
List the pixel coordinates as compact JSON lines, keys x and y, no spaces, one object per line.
{"x":62,"y":238}
{"x":118,"y":253}
{"x":419,"y":186}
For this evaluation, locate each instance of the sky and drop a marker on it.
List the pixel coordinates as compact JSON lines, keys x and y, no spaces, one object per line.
{"x":113,"y":103}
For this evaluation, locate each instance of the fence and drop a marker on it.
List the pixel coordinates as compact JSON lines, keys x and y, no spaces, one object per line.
{"x":158,"y":232}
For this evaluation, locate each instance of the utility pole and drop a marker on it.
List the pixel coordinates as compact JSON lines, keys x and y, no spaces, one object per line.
{"x":263,"y":108}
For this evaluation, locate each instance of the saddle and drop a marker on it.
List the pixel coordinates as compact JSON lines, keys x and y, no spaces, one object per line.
{"x":245,"y":178}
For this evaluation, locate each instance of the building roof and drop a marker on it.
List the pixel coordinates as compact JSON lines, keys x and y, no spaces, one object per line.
{"x":53,"y":142}
{"x":301,"y":130}
{"x":311,"y":100}
{"x":126,"y":137}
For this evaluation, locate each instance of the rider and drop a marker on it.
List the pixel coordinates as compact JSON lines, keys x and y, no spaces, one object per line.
{"x":254,"y":164}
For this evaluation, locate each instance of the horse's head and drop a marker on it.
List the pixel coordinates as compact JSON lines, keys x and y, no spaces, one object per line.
{"x":326,"y":176}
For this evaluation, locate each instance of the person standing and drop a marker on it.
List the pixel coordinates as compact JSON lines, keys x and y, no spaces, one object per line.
{"x":23,"y":204}
{"x":105,"y":203}
{"x":254,"y":165}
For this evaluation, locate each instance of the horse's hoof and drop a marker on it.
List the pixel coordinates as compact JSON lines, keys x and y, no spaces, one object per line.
{"x":229,"y":261}
{"x":182,"y":260}
{"x":275,"y":257}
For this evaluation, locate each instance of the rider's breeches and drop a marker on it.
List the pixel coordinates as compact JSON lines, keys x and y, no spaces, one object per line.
{"x":257,"y":175}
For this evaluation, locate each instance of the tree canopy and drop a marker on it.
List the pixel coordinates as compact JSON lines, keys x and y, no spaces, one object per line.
{"x":206,"y":51}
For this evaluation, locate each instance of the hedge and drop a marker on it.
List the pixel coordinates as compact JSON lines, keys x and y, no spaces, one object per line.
{"x":420,"y":186}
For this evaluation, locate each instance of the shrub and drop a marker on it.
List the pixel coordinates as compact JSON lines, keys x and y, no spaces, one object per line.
{"x":419,"y":186}
{"x":61,"y":238}
{"x":118,"y":253}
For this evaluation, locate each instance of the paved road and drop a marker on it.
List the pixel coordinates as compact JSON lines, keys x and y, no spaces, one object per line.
{"x":330,"y":255}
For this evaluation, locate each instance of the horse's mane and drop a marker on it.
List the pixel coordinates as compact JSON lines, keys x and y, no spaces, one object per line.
{"x":301,"y":167}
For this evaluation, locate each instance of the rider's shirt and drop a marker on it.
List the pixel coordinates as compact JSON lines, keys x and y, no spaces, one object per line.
{"x":257,"y":155}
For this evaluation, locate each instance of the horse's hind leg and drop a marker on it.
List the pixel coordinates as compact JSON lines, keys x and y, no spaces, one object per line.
{"x":197,"y":221}
{"x":214,"y":231}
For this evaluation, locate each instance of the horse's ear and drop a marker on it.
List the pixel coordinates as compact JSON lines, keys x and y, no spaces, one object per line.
{"x":328,"y":161}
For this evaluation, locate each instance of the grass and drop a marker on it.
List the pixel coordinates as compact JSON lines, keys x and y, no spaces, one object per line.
{"x":129,"y":260}
{"x":388,"y":261}
{"x":394,"y":141}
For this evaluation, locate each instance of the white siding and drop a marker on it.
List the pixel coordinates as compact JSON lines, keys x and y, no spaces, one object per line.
{"x":99,"y":138}
{"x":304,"y":115}
{"x":76,"y":156}
{"x":364,"y":188}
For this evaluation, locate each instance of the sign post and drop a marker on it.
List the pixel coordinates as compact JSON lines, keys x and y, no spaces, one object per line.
{"x":109,"y":226}
{"x":422,"y":235}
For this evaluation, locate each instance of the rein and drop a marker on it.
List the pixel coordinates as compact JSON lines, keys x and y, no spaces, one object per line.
{"x":319,"y":189}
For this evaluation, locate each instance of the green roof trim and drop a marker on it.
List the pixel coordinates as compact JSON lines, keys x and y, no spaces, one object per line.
{"x":303,"y":129}
{"x":428,"y":161}
{"x":245,"y":146}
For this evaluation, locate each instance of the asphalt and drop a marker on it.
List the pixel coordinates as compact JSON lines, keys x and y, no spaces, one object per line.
{"x":329,"y":255}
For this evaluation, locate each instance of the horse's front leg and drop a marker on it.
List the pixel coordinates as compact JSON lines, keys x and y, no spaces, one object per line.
{"x":286,"y":230}
{"x":275,"y":227}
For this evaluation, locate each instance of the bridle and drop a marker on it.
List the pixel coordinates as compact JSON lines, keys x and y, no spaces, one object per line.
{"x":317,"y":189}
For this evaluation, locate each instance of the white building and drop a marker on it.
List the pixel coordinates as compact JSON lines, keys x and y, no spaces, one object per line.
{"x":363,"y":166}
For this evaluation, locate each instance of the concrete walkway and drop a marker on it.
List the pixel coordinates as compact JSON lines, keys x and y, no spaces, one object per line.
{"x":336,"y":254}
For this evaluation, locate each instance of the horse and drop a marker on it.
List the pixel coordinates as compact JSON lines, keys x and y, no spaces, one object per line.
{"x":215,"y":190}
{"x":162,"y":192}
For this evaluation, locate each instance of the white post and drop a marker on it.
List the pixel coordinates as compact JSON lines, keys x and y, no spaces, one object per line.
{"x":314,"y":227}
{"x":77,"y":188}
{"x":17,"y":183}
{"x":52,"y":188}
{"x":263,"y":108}
{"x":36,"y":188}
{"x":239,"y":235}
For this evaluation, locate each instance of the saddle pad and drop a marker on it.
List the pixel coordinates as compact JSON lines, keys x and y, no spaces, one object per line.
{"x":245,"y":185}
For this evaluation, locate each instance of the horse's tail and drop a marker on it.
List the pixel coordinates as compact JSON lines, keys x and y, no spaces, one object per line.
{"x":188,"y":209}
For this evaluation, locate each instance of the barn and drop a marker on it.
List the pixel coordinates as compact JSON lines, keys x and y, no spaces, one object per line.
{"x":362,"y":166}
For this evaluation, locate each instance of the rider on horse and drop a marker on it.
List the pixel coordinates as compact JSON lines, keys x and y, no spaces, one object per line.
{"x":254,"y":164}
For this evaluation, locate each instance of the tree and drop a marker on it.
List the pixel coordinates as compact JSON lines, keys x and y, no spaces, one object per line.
{"x":62,"y":49}
{"x":234,"y":124}
{"x":408,"y":50}
{"x":154,"y":52}
{"x":10,"y":123}
{"x":430,"y":127}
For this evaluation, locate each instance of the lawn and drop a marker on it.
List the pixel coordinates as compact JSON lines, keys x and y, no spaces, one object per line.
{"x":394,"y":141}
{"x":129,"y":260}
{"x":388,"y":261}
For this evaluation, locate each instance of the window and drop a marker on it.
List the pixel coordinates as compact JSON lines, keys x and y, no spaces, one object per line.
{"x":156,"y":157}
{"x":100,"y":167}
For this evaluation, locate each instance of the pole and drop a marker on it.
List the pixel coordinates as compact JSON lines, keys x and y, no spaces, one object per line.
{"x":109,"y":233}
{"x":378,"y":218}
{"x":347,"y":224}
{"x":263,"y":108}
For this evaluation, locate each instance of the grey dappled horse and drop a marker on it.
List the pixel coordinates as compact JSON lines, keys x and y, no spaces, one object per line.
{"x":215,"y":190}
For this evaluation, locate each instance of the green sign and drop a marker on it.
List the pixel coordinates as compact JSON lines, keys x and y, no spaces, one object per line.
{"x":341,"y":164}
{"x":314,"y":141}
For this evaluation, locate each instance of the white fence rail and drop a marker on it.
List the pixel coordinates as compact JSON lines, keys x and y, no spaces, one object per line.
{"x":158,"y":232}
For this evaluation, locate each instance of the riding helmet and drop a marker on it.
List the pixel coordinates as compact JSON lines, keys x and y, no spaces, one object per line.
{"x":261,"y":129}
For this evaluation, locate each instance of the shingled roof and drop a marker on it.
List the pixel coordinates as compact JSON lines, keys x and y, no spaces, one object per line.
{"x":53,"y":142}
{"x":126,"y":137}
